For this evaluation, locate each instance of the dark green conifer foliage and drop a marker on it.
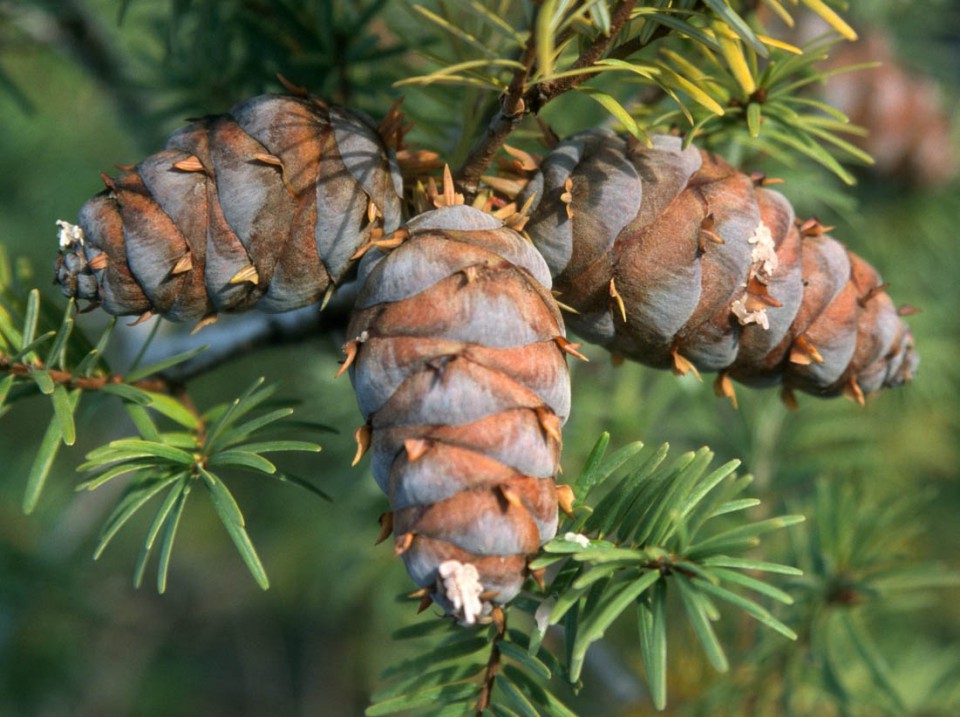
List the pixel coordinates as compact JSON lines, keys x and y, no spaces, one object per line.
{"x":812,"y":580}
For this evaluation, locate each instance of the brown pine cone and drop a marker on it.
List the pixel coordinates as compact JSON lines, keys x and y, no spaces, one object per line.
{"x":458,"y":364}
{"x":675,"y":259}
{"x":261,"y":207}
{"x":907,"y":118}
{"x":909,"y":128}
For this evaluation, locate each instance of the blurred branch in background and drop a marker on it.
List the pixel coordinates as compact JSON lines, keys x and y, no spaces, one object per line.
{"x":72,"y":29}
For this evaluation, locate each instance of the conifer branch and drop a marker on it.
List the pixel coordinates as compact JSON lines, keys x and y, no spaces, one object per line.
{"x":156,"y":384}
{"x":493,"y":663}
{"x":517,"y":102}
{"x":635,"y":44}
{"x":71,"y":28}
{"x":63,"y":381}
{"x":227,"y":345}
{"x":646,"y":543}
{"x":513,"y":109}
{"x":542,"y":93}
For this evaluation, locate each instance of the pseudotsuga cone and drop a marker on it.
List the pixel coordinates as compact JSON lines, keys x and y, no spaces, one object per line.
{"x":675,"y":259}
{"x":459,"y":367}
{"x":263,"y":207}
{"x":458,"y":353}
{"x":908,"y":125}
{"x":459,"y":358}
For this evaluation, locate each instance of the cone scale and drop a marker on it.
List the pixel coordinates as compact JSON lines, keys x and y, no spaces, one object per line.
{"x":262,"y":207}
{"x":673,"y":258}
{"x":461,"y":376}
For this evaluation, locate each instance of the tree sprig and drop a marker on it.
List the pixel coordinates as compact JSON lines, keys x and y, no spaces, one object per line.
{"x":745,"y":81}
{"x":41,"y":354}
{"x":190,"y":458}
{"x":640,"y":531}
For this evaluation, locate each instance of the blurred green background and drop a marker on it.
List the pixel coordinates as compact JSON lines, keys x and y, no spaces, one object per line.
{"x":76,"y":638}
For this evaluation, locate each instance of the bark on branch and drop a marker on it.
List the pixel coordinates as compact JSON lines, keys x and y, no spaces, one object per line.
{"x":156,"y":384}
{"x":520,"y":100}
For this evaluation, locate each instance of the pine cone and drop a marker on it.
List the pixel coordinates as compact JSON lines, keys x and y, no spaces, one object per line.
{"x":261,"y":207}
{"x":909,"y":128}
{"x":675,"y":259}
{"x":908,"y":122}
{"x":459,"y":369}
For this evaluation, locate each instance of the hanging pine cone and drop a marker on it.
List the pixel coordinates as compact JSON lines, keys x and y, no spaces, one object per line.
{"x":458,"y":364}
{"x":909,"y":127}
{"x":675,"y":259}
{"x":908,"y":122}
{"x":263,"y":206}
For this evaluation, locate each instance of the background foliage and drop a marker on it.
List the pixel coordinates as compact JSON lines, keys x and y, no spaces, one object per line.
{"x":879,"y":486}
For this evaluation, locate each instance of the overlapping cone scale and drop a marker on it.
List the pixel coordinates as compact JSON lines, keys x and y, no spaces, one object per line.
{"x":460,"y":376}
{"x":456,"y":347}
{"x":673,"y":258}
{"x":262,"y":207}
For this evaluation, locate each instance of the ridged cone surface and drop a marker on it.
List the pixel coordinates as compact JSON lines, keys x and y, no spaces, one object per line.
{"x":668,"y":255}
{"x":712,"y":270}
{"x":262,"y":207}
{"x":464,"y":387}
